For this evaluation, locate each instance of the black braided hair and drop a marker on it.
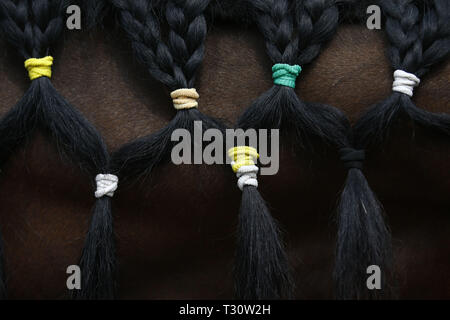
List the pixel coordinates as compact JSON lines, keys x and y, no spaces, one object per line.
{"x":354,"y":11}
{"x":418,"y":40}
{"x":95,"y":12}
{"x":261,"y":269}
{"x":294,"y":39}
{"x":299,"y":38}
{"x":33,"y":27}
{"x":362,"y":237}
{"x":92,"y":12}
{"x":175,"y":64}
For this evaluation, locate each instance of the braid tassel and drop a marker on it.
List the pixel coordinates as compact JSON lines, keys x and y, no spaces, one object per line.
{"x":261,"y":265}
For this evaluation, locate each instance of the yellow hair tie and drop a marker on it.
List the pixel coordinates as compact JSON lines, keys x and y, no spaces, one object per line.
{"x":184,"y":98}
{"x":242,"y":156}
{"x":41,"y":67}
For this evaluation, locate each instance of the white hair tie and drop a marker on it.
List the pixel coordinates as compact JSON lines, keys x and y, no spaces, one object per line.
{"x":247,"y":176}
{"x":243,"y":164}
{"x":405,"y":82}
{"x":106,"y":185}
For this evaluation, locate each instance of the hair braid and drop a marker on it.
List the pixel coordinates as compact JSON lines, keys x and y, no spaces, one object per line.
{"x":362,"y":236}
{"x":261,"y":269}
{"x":435,"y":33}
{"x":317,"y":23}
{"x":33,"y":27}
{"x":187,"y":22}
{"x":418,"y":40}
{"x":277,"y":26}
{"x":141,"y":25}
{"x":402,"y":30}
{"x":279,"y":107}
{"x":175,"y":64}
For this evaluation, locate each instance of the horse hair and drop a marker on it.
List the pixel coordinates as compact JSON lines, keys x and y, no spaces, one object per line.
{"x":261,"y":268}
{"x":175,"y":64}
{"x":32,"y":27}
{"x":362,"y":236}
{"x":279,"y":107}
{"x":417,"y":42}
{"x":95,"y":12}
{"x":258,"y":276}
{"x":295,"y":32}
{"x":354,"y":11}
{"x":299,"y":39}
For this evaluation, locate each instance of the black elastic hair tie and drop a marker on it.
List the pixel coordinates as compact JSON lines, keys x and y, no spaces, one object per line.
{"x":352,"y":158}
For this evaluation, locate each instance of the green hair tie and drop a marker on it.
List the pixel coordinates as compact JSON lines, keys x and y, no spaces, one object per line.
{"x":285,"y":75}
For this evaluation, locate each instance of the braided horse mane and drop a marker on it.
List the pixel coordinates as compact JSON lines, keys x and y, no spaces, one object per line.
{"x":46,"y":202}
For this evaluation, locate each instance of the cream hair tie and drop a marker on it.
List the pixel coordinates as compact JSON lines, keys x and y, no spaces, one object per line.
{"x":184,"y":98}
